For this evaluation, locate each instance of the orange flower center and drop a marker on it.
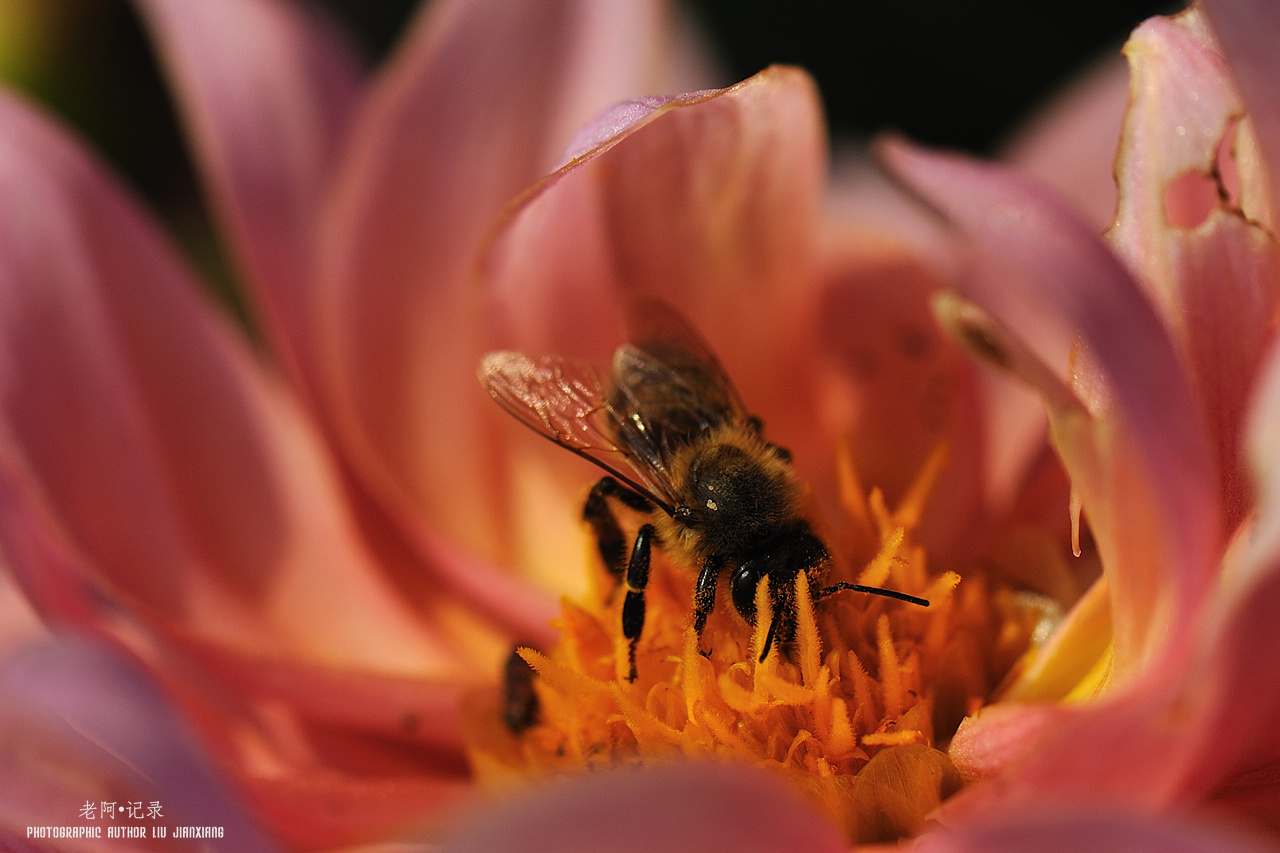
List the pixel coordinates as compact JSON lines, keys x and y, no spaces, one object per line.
{"x":854,"y":711}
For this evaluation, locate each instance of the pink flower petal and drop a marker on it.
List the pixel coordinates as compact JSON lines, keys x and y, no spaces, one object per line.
{"x":1249,"y":31}
{"x":881,"y":246}
{"x":674,"y":808}
{"x":1154,"y":511}
{"x":1140,"y":748}
{"x":415,"y":712}
{"x":1205,"y":730}
{"x":1239,"y":752}
{"x":1071,"y":144}
{"x":610,"y":125}
{"x":19,"y":622}
{"x":629,"y":217}
{"x":893,"y":385}
{"x":1263,"y":447}
{"x":267,"y":91}
{"x":91,"y":728}
{"x":143,"y":454}
{"x":1049,"y":832}
{"x":709,"y":201}
{"x":478,"y":101}
{"x":324,"y":810}
{"x":299,"y":739}
{"x":1238,"y":749}
{"x":1213,"y":274}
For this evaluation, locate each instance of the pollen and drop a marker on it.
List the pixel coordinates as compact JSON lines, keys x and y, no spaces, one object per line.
{"x":856,"y":711}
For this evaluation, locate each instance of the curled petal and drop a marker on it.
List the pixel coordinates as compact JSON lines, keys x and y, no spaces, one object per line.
{"x":708,"y":201}
{"x":144,"y":456}
{"x":267,"y":91}
{"x":676,"y":807}
{"x":1142,"y":467}
{"x":1177,"y":736}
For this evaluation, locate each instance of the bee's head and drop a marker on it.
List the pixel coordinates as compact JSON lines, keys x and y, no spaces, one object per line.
{"x":795,"y":550}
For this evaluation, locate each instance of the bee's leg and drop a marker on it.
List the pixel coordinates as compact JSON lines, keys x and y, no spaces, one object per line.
{"x":782,"y":594}
{"x":704,"y":594}
{"x":768,"y":638}
{"x":519,"y":700}
{"x":633,"y":604}
{"x":610,"y":542}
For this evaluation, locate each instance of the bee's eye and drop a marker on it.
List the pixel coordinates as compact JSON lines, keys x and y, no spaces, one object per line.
{"x":743,"y":587}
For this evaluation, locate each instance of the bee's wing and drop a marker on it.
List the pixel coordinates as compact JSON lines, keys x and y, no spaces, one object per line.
{"x":665,"y":355}
{"x":566,"y":401}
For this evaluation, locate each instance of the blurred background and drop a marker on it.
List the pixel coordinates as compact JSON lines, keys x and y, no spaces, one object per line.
{"x":956,"y":74}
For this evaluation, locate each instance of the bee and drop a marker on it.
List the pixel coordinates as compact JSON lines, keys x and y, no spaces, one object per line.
{"x":677,"y":445}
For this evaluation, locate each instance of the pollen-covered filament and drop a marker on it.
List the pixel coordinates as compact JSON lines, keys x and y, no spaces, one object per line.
{"x":854,"y":711}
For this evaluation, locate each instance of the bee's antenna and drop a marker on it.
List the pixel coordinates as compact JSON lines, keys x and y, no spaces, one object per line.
{"x":873,"y":590}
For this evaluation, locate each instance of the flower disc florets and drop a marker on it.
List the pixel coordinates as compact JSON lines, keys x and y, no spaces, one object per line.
{"x":855,"y":711}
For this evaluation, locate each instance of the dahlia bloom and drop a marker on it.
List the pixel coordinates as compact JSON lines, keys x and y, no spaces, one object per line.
{"x":308,"y":557}
{"x":1139,"y":722}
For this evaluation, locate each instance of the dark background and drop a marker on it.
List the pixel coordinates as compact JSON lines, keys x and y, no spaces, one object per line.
{"x":945,"y":72}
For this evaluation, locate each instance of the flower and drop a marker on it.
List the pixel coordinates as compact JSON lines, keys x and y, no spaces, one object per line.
{"x":310,"y":566}
{"x":835,"y":340}
{"x":1144,"y":718}
{"x":299,"y":546}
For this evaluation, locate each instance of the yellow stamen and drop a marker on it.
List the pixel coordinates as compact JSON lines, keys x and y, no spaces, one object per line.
{"x":855,"y":709}
{"x":853,"y":498}
{"x":1091,"y":685}
{"x":913,"y":503}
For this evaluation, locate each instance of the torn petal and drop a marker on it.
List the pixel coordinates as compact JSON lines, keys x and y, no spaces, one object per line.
{"x":1210,"y":269}
{"x":1249,"y":31}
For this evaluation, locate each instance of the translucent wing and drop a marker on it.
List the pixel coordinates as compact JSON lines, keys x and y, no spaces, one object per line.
{"x":567,"y":402}
{"x":668,"y":378}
